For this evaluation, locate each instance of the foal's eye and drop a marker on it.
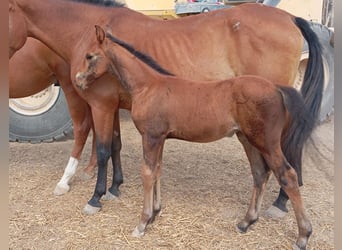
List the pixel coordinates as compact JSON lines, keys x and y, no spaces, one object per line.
{"x":89,"y":56}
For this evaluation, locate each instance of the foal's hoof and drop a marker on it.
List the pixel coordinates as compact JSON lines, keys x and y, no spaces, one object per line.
{"x":109,"y":196}
{"x":84,"y":176}
{"x":137,"y":233}
{"x":275,"y":213}
{"x":242,"y":227}
{"x":61,"y":189}
{"x":89,"y":210}
{"x":296,"y":247}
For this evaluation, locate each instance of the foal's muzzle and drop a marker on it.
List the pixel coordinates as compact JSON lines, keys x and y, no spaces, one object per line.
{"x":81,"y":81}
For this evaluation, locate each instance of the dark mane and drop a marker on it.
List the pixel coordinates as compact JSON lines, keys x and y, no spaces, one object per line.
{"x":106,"y":3}
{"x":143,"y":57}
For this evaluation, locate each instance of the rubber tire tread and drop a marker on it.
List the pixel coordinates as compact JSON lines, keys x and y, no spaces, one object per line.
{"x":324,"y":35}
{"x":53,"y":125}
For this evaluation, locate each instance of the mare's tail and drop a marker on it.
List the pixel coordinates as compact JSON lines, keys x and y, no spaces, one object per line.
{"x":300,"y":126}
{"x":312,"y":91}
{"x":312,"y":88}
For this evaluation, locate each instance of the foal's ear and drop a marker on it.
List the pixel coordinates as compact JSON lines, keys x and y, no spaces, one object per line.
{"x":100,"y":34}
{"x":11,"y":5}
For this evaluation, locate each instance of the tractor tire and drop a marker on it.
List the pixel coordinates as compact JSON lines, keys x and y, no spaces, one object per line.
{"x":43,"y":117}
{"x":326,"y":37}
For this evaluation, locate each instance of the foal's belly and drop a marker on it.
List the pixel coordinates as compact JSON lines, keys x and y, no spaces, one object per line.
{"x":204,"y":131}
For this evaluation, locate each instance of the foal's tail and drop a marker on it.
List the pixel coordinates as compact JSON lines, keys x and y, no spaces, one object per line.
{"x":299,"y":128}
{"x":312,"y":88}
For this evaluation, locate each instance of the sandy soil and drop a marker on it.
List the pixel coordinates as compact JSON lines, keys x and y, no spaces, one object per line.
{"x":205,"y":191}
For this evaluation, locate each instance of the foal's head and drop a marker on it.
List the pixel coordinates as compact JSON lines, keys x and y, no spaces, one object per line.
{"x":95,"y":63}
{"x":17,"y":30}
{"x":110,"y":54}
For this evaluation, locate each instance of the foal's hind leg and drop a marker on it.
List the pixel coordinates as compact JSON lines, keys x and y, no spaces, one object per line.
{"x":261,"y":174}
{"x":288,"y":181}
{"x":114,"y":192}
{"x":278,"y":208}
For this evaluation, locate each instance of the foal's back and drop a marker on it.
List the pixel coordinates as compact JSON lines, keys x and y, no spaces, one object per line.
{"x":208,"y":111}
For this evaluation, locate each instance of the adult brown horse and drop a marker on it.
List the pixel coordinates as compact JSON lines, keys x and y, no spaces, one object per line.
{"x":44,"y":68}
{"x":165,"y":106}
{"x":233,"y":45}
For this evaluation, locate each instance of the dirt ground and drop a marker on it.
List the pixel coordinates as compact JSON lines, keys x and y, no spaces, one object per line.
{"x":205,"y":189}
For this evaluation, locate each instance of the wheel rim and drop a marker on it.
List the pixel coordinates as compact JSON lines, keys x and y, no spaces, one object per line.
{"x":35,"y":104}
{"x":301,"y":72}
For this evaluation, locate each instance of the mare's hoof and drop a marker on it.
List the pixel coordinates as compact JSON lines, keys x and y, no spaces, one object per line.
{"x":84,"y":176}
{"x":109,"y":196}
{"x":88,"y":209}
{"x":61,"y":189}
{"x":275,"y":213}
{"x":137,"y":233}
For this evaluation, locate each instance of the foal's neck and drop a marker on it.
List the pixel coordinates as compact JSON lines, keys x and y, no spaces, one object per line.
{"x":134,"y":74}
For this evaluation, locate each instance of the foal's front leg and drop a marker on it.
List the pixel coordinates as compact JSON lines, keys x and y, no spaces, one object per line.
{"x":152,"y":150}
{"x":156,"y":188}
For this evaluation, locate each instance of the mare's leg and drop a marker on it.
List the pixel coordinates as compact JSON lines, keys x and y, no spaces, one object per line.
{"x":103,"y":122}
{"x":288,"y":180}
{"x":114,"y":192}
{"x":82,"y":122}
{"x":278,"y":208}
{"x":152,"y":147}
{"x":89,"y":171}
{"x":261,"y":174}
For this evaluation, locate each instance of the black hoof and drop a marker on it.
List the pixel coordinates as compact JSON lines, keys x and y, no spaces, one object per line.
{"x":95,"y":203}
{"x":281,"y":201}
{"x":281,"y":206}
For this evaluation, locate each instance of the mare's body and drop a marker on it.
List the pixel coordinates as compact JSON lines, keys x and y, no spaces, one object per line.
{"x":34,"y":68}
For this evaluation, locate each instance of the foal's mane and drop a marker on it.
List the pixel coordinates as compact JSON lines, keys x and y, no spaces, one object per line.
{"x":143,"y":57}
{"x":105,"y":3}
